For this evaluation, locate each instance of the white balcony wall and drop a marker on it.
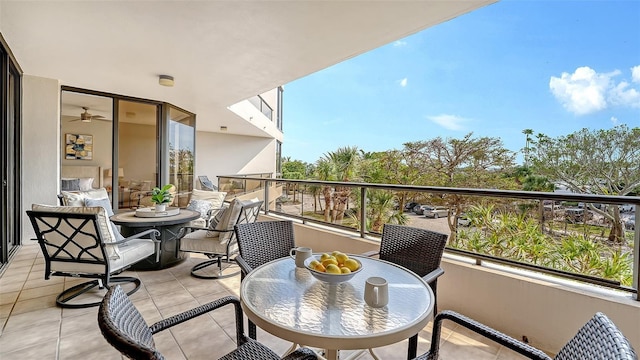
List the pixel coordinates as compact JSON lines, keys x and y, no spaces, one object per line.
{"x":40,"y":158}
{"x":225,"y":154}
{"x":548,"y":313}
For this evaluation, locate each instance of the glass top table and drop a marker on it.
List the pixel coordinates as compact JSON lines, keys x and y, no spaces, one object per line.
{"x":290,"y":303}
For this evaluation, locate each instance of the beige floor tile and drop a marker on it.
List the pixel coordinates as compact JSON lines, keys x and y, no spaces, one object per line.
{"x":453,"y":349}
{"x":195,"y":340}
{"x":167,"y":345}
{"x":40,"y":281}
{"x":87,"y":345}
{"x":11,"y":287}
{"x":16,"y":340}
{"x":34,"y":304}
{"x":12,"y":278}
{"x":21,"y":265}
{"x":32,"y":293}
{"x":43,"y":350}
{"x":148,"y":310}
{"x":173,"y":298}
{"x":177,"y":309}
{"x":158,"y":288}
{"x":8,"y":297}
{"x":150,"y":277}
{"x":5,"y":310}
{"x":19,"y":322}
{"x":85,"y":323}
{"x":506,"y":354}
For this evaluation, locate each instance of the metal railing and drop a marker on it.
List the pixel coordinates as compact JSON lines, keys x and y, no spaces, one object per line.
{"x":505,"y":197}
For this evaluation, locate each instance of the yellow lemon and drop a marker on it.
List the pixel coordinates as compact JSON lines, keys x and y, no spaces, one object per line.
{"x":329,"y":261}
{"x":324,"y":256}
{"x":351,"y":264}
{"x":345,"y":270}
{"x":320,"y":268}
{"x":341,"y":258}
{"x":333,"y":269}
{"x":336,"y":252}
{"x":314,"y":263}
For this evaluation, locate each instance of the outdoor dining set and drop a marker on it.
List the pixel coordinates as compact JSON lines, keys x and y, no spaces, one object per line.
{"x":372,"y":300}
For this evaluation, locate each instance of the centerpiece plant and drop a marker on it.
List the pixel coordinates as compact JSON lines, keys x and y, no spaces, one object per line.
{"x":161,"y":197}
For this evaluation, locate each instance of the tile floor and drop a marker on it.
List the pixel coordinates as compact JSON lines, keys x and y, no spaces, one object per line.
{"x":33,"y":327}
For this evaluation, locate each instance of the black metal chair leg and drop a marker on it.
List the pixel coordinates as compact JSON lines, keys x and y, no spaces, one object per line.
{"x":64,"y":298}
{"x":413,"y":347}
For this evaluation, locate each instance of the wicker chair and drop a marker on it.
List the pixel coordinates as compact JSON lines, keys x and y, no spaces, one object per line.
{"x":81,"y":242}
{"x":125,"y":329}
{"x":259,"y":243}
{"x":598,"y":339}
{"x":418,"y":250}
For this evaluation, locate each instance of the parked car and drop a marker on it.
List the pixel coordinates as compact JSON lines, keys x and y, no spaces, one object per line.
{"x":419,"y":209}
{"x":410,"y":206}
{"x":627,"y":208}
{"x":577,"y":215}
{"x":436,"y":211}
{"x":630,"y":224}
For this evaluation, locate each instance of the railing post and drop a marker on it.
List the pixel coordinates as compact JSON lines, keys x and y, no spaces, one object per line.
{"x":267,"y":183}
{"x":363,"y":211}
{"x":636,"y":254}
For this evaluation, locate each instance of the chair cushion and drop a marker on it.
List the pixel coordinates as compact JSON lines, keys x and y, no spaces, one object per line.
{"x":106,"y":204}
{"x":199,"y":241}
{"x":104,"y":225}
{"x":132,"y":252}
{"x":85,"y":184}
{"x":216,"y":198}
{"x":76,"y":198}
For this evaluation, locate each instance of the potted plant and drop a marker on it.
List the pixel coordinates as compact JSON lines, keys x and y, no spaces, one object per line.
{"x":161,"y":197}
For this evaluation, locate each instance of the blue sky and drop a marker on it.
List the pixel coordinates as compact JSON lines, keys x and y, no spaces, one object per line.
{"x":552,"y":66}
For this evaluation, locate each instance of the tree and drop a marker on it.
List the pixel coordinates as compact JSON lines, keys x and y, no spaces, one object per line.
{"x":293,"y":169}
{"x":467,"y":162}
{"x":598,"y":162}
{"x":340,"y":165}
{"x":527,"y":133}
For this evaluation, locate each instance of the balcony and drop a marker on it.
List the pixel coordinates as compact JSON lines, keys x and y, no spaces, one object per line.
{"x":546,"y":307}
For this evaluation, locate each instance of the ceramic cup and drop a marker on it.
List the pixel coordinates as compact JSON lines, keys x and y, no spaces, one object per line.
{"x":376,"y":292}
{"x":300,"y":254}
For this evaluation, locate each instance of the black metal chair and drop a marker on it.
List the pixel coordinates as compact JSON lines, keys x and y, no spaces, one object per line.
{"x":261,"y":242}
{"x":218,"y":241}
{"x":418,"y":250}
{"x":125,"y":329}
{"x":82,"y":242}
{"x":598,"y":339}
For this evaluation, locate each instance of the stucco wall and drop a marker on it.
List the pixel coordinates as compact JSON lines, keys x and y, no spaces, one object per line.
{"x":40,"y":145}
{"x":222,"y":154}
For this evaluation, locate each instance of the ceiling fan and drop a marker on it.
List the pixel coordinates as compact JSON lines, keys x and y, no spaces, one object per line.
{"x":87,"y":117}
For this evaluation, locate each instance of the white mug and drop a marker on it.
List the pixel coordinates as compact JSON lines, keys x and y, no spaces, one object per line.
{"x":301,"y":254}
{"x":376,"y":292}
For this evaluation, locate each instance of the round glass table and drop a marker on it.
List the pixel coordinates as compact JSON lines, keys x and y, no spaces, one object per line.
{"x":290,"y":303}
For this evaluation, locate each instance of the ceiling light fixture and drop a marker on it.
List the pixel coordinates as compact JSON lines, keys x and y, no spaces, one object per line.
{"x":165,"y":80}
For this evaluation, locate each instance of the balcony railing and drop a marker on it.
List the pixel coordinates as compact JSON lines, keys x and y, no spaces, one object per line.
{"x":561,"y":234}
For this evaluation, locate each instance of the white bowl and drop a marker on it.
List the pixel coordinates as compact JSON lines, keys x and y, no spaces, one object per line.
{"x":331,"y":278}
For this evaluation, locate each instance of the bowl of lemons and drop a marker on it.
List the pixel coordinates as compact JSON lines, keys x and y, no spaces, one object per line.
{"x":333,"y":268}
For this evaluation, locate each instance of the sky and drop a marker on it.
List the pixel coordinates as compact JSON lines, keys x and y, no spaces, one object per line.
{"x":551,"y":66}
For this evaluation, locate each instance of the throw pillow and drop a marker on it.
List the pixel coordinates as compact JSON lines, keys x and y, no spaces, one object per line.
{"x":201,"y":206}
{"x":222,"y":216}
{"x":77,"y":198}
{"x":106,"y":205}
{"x":215,"y":197}
{"x":85,"y":184}
{"x":70,"y":184}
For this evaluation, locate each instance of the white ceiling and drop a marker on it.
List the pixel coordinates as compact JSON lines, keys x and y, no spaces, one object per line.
{"x":220,"y":52}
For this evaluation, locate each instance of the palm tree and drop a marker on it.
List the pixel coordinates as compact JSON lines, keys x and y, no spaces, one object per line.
{"x":527,"y":133}
{"x":343,"y":164}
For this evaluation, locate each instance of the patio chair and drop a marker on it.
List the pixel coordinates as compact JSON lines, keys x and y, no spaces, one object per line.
{"x":206,"y":184}
{"x":259,"y":243}
{"x":598,"y":339}
{"x":125,"y":329}
{"x":82,"y":242}
{"x":418,"y":250}
{"x":218,"y":241}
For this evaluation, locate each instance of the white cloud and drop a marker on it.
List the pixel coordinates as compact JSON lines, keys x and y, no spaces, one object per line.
{"x":586,"y":91}
{"x":399,"y":43}
{"x":635,"y":74}
{"x":403,"y":82}
{"x":451,"y":122}
{"x":614,"y":120}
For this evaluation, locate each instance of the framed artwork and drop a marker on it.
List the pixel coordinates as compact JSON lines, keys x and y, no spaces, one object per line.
{"x":78,"y":147}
